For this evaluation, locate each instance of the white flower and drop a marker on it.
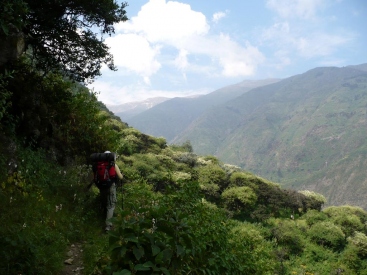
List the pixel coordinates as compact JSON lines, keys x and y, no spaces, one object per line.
{"x":24,"y":225}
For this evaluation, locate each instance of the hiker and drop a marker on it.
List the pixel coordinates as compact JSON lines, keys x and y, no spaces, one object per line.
{"x":107,"y":187}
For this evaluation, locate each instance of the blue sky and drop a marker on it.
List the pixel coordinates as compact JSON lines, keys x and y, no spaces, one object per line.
{"x":190,"y":47}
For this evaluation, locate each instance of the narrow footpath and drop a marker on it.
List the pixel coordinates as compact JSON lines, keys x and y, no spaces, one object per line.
{"x":73,"y":263}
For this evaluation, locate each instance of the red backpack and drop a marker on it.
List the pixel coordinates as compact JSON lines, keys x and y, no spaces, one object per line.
{"x":104,"y":169}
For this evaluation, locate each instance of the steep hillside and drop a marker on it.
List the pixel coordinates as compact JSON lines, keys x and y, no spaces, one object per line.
{"x":171,"y":117}
{"x":307,"y":131}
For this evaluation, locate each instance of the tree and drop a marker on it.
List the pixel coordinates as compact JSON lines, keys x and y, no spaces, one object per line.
{"x":61,"y":34}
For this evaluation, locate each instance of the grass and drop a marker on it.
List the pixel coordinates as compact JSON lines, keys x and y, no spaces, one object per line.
{"x":44,"y":210}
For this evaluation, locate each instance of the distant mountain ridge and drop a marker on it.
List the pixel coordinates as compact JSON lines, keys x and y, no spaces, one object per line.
{"x":130,"y":109}
{"x":306,"y":132}
{"x":169,"y":118}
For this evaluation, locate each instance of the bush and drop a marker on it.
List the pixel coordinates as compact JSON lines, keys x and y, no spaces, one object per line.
{"x":132,"y":141}
{"x":349,"y":218}
{"x":314,"y":216}
{"x":316,"y":259}
{"x":242,"y":179}
{"x":334,"y":211}
{"x":288,"y":236}
{"x":327,"y":234}
{"x":239,"y":199}
{"x":212,"y":174}
{"x":359,"y":241}
{"x":314,"y":200}
{"x":178,"y":233}
{"x":254,"y":252}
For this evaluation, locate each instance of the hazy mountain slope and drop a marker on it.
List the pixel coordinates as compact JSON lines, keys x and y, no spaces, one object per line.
{"x":130,"y":109}
{"x":307,"y":131}
{"x":362,"y":67}
{"x":170,"y":118}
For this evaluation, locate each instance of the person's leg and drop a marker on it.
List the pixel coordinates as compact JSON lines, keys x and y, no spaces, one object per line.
{"x":111,"y":202}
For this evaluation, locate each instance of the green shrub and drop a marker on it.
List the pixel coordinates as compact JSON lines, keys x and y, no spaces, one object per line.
{"x":314,"y":200}
{"x":349,"y":218}
{"x":212,"y":174}
{"x":132,"y":141}
{"x":242,"y":179}
{"x":353,"y":261}
{"x":288,"y":236}
{"x":313,"y":216}
{"x":239,"y":199}
{"x":334,"y":211}
{"x":327,"y":234}
{"x":254,"y":252}
{"x":316,"y":259}
{"x":359,"y":241}
{"x":178,"y":233}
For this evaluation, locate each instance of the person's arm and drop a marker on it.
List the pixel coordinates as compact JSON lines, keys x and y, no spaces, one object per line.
{"x":118,"y":172}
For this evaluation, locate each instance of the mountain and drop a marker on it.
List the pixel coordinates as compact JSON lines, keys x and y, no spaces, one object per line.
{"x":306,"y":132}
{"x":169,"y":118}
{"x":130,"y":109}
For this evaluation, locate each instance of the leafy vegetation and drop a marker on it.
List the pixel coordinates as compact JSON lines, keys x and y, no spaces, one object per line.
{"x":177,"y":212}
{"x":61,"y":35}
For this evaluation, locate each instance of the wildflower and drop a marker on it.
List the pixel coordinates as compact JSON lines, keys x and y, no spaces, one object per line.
{"x":64,"y":172}
{"x":24,"y":225}
{"x":11,"y":199}
{"x":15,"y":165}
{"x":74,"y":197}
{"x":22,"y":160}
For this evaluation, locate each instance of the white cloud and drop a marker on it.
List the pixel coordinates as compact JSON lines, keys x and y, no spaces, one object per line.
{"x":217,"y":16}
{"x":290,"y":40}
{"x":181,"y":60}
{"x":161,"y":26}
{"x":134,"y":53}
{"x":320,"y":44}
{"x":159,"y":21}
{"x":237,"y":60}
{"x":305,"y":9}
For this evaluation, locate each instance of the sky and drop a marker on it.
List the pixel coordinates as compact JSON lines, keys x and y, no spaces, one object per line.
{"x":191,"y":47}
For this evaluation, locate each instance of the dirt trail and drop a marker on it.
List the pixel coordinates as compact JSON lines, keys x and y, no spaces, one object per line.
{"x":73,"y":263}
